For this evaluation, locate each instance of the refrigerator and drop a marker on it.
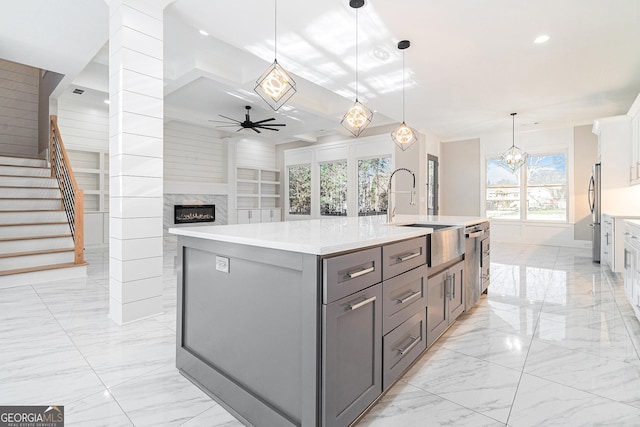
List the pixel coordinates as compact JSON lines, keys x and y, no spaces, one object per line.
{"x":594,"y":196}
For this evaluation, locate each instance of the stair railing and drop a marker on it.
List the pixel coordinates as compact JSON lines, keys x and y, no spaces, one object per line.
{"x":72,"y":196}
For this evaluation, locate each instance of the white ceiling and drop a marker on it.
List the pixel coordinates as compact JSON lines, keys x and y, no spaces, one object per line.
{"x":470,"y":64}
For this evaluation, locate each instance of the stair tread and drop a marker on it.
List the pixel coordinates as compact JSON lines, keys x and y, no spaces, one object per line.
{"x":22,"y":224}
{"x":28,"y":187}
{"x":31,"y":198}
{"x":53,"y":236}
{"x":41,"y":268}
{"x":39,"y":252}
{"x":24,"y":166}
{"x":27,"y":176}
{"x":34,"y":210}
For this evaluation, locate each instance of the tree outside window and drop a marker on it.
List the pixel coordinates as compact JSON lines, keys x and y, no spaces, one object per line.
{"x":373,"y":179}
{"x":300,"y":190}
{"x":333,"y":188}
{"x":502,"y":191}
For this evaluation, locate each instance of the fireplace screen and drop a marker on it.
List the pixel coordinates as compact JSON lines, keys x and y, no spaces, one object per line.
{"x":194,"y":213}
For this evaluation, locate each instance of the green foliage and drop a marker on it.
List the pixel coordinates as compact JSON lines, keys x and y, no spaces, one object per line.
{"x":300,"y":190}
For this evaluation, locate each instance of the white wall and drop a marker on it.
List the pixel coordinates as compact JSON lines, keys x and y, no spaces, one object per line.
{"x":534,"y":141}
{"x":255,"y":152}
{"x":18,"y":109}
{"x":460,"y":185}
{"x":195,"y":159}
{"x":83,"y":122}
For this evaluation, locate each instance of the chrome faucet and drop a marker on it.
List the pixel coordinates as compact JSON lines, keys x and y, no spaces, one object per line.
{"x":412,"y":200}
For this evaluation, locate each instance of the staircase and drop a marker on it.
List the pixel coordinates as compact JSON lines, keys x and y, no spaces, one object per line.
{"x":36,"y":244}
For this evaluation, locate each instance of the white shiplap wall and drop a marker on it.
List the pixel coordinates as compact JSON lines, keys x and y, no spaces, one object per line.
{"x":18,"y":109}
{"x":255,"y":153}
{"x":82,"y":124}
{"x":194,"y":154}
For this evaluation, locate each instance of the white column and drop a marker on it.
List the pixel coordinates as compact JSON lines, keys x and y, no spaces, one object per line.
{"x":136,"y":165}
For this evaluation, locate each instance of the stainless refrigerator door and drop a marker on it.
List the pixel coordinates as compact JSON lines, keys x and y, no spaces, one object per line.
{"x":596,"y":242}
{"x":597,"y":195}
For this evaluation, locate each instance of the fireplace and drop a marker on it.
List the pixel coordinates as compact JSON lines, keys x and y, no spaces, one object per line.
{"x":193,"y":213}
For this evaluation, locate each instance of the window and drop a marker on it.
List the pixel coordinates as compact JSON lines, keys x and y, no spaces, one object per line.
{"x":540,"y":186}
{"x":373,"y":179}
{"x":503,"y":191}
{"x":333,"y":188}
{"x":300,"y":190}
{"x":547,"y":187}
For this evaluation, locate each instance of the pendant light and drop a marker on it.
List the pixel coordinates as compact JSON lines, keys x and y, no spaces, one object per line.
{"x":404,"y":136}
{"x":275,"y":85}
{"x":358,"y":117}
{"x":514,"y":157}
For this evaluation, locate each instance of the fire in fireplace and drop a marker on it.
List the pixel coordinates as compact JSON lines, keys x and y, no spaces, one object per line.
{"x":194,"y":213}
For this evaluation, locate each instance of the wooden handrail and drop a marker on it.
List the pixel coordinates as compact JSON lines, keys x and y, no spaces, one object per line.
{"x":72,"y":196}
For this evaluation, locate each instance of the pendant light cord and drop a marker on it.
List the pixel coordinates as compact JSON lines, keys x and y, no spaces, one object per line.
{"x":403,"y":103}
{"x":275,"y":29}
{"x":513,"y":129}
{"x":356,"y":54}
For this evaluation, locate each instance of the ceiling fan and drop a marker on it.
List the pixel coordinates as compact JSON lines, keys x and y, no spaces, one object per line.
{"x":248,"y":124}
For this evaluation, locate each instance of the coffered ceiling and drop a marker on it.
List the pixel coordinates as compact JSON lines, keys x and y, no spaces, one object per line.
{"x":470,"y":63}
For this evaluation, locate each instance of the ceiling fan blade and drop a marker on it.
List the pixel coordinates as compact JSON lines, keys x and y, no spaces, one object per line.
{"x":226,"y":126}
{"x":255,"y":130}
{"x":229,"y":118}
{"x":268,"y":128}
{"x":275,"y":124}
{"x":263,"y":121}
{"x":239,"y":129}
{"x":220,"y":121}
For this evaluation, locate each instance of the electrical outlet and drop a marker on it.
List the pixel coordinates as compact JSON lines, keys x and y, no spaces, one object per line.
{"x":222,"y":264}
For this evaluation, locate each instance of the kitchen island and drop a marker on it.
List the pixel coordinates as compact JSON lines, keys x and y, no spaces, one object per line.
{"x":302,"y":322}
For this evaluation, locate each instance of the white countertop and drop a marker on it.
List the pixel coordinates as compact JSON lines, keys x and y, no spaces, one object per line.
{"x":323,"y":236}
{"x":621,"y":216}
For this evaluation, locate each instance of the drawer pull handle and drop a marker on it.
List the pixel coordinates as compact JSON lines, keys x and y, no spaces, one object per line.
{"x":474,"y":234}
{"x":408,"y":298}
{"x":360,"y":272}
{"x":408,"y":257}
{"x":414,"y":342}
{"x":361,"y":303}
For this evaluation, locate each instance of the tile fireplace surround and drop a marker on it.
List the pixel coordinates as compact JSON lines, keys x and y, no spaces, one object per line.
{"x":553,"y":343}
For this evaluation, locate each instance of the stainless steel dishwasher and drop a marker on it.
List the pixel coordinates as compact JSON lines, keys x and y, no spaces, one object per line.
{"x":476,"y":262}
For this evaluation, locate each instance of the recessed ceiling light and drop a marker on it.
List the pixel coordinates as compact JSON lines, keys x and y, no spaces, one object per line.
{"x":542,"y":39}
{"x":106,"y":101}
{"x":203,"y":33}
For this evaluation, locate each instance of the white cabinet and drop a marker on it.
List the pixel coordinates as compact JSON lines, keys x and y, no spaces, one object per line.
{"x":631,"y":261}
{"x":271,"y":215}
{"x":257,"y":195}
{"x":249,"y":216}
{"x":612,"y":241}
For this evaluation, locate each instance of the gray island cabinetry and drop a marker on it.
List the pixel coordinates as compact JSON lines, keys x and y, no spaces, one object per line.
{"x":301,"y":323}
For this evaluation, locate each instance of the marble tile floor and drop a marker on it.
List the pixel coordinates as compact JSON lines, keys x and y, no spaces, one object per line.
{"x":554,"y":342}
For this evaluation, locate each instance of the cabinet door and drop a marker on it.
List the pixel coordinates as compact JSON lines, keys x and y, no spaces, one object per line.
{"x":248,"y":216}
{"x":351,"y":355}
{"x":607,"y":247}
{"x":629,"y":270}
{"x":437,"y":308}
{"x":456,"y":289}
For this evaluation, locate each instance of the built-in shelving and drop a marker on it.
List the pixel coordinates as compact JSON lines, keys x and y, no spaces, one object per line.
{"x":257,"y":195}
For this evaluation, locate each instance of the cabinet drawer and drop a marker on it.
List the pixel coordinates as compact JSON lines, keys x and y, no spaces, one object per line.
{"x":403,"y":256}
{"x":402,"y":346}
{"x":403,"y":296}
{"x":345,"y":274}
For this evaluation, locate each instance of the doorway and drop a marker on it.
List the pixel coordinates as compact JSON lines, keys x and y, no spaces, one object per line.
{"x":432,"y":185}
